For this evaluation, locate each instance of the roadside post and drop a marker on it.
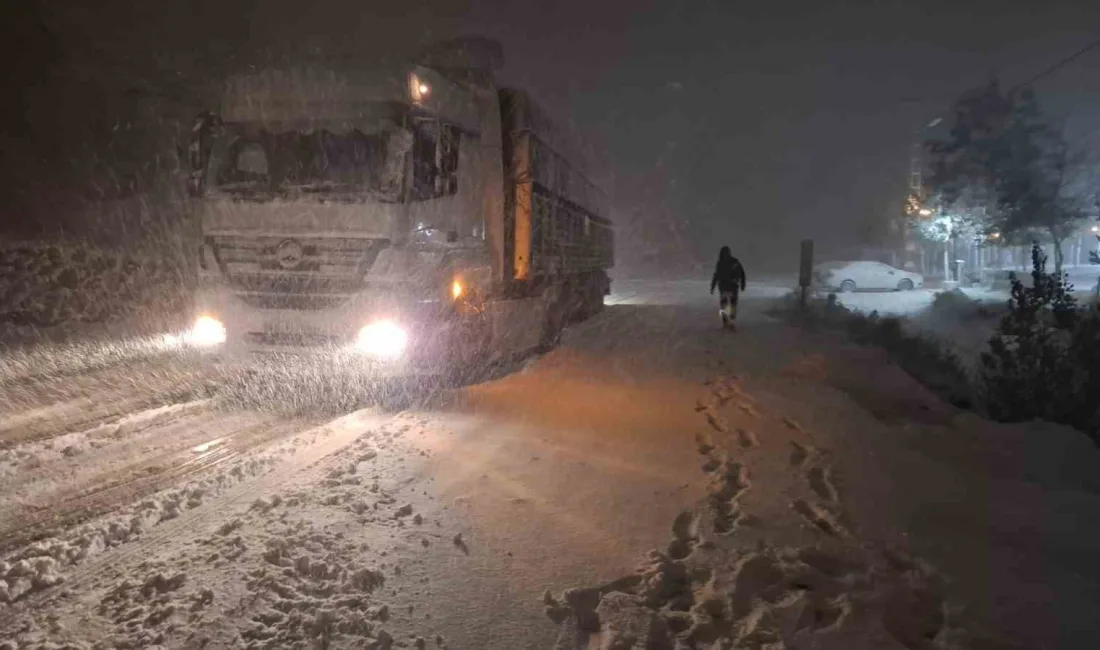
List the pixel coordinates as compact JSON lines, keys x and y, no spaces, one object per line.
{"x":805,"y":271}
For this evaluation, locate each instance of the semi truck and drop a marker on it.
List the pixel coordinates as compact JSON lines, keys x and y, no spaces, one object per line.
{"x":415,"y":216}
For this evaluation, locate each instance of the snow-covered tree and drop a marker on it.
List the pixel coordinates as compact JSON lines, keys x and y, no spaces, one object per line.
{"x":1006,"y":161}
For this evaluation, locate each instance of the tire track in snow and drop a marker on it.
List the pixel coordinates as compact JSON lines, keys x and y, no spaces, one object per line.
{"x":85,"y":413}
{"x":141,"y":479}
{"x":28,"y":470}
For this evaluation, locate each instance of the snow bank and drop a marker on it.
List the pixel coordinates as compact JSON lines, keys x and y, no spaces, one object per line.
{"x":295,"y":567}
{"x":49,"y":557}
{"x":51,"y":285}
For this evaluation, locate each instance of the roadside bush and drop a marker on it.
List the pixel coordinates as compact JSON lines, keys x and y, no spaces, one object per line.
{"x":955,"y":304}
{"x":1084,"y":350}
{"x":819,"y":307}
{"x":1044,"y":360}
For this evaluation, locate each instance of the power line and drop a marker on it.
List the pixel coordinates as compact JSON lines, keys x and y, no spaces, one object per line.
{"x":1069,"y":59}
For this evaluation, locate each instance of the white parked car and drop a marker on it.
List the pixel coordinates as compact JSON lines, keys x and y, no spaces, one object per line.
{"x":865,"y":276}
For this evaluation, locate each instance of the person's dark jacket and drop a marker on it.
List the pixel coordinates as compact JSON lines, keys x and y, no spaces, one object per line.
{"x":729,"y":274}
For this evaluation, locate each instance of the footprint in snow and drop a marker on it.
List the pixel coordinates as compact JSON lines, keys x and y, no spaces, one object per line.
{"x":747,"y":439}
{"x":733,"y":481}
{"x":727,"y":515}
{"x":711,"y":464}
{"x":821,"y":483}
{"x":716,"y":423}
{"x":685,"y":535}
{"x":792,"y":425}
{"x":797,"y":428}
{"x":818,"y":517}
{"x":799,"y":454}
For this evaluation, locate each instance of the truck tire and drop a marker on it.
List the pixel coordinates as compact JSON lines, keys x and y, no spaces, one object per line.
{"x":595,"y":295}
{"x":590,"y":296}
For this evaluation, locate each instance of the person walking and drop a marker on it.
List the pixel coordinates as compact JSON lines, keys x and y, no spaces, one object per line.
{"x":729,"y":278}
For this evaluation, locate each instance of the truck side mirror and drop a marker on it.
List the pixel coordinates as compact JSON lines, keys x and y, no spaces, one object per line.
{"x":198,"y":150}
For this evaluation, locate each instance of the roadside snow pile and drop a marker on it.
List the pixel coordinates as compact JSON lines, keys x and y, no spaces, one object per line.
{"x":41,"y":564}
{"x":45,"y":285}
{"x":279,"y":564}
{"x":901,"y":303}
{"x":33,"y":456}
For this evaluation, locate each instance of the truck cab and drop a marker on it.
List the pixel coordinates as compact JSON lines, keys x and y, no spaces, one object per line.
{"x":411,"y":216}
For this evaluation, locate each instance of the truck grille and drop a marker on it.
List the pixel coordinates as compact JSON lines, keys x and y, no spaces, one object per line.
{"x":295,"y":273}
{"x":293,"y":339}
{"x":292,"y":300}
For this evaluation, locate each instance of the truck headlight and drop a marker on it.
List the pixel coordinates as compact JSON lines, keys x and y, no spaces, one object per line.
{"x":206,"y":332}
{"x":383,"y":339}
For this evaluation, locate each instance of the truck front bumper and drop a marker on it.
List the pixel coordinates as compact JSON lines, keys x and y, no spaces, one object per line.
{"x":382,"y":342}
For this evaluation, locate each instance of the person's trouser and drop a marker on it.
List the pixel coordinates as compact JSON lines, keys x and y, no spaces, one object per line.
{"x":728,"y":304}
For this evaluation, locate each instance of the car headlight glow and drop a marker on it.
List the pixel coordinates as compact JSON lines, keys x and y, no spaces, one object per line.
{"x":206,"y":332}
{"x":383,"y":339}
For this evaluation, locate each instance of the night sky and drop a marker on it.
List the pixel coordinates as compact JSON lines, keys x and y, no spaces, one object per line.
{"x":758,"y":124}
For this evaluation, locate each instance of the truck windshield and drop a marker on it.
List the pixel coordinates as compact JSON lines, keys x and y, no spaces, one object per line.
{"x":348,"y":164}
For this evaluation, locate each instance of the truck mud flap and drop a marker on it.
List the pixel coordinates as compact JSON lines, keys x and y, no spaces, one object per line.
{"x":517,"y":326}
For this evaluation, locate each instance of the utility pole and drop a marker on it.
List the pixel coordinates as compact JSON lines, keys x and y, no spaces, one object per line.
{"x":915,"y":179}
{"x":915,"y":201}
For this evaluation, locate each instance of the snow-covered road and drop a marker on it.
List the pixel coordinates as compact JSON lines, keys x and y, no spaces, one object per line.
{"x":798,"y":490}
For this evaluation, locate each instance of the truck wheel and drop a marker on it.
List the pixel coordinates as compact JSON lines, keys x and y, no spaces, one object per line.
{"x":588,"y":297}
{"x":595,"y":296}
